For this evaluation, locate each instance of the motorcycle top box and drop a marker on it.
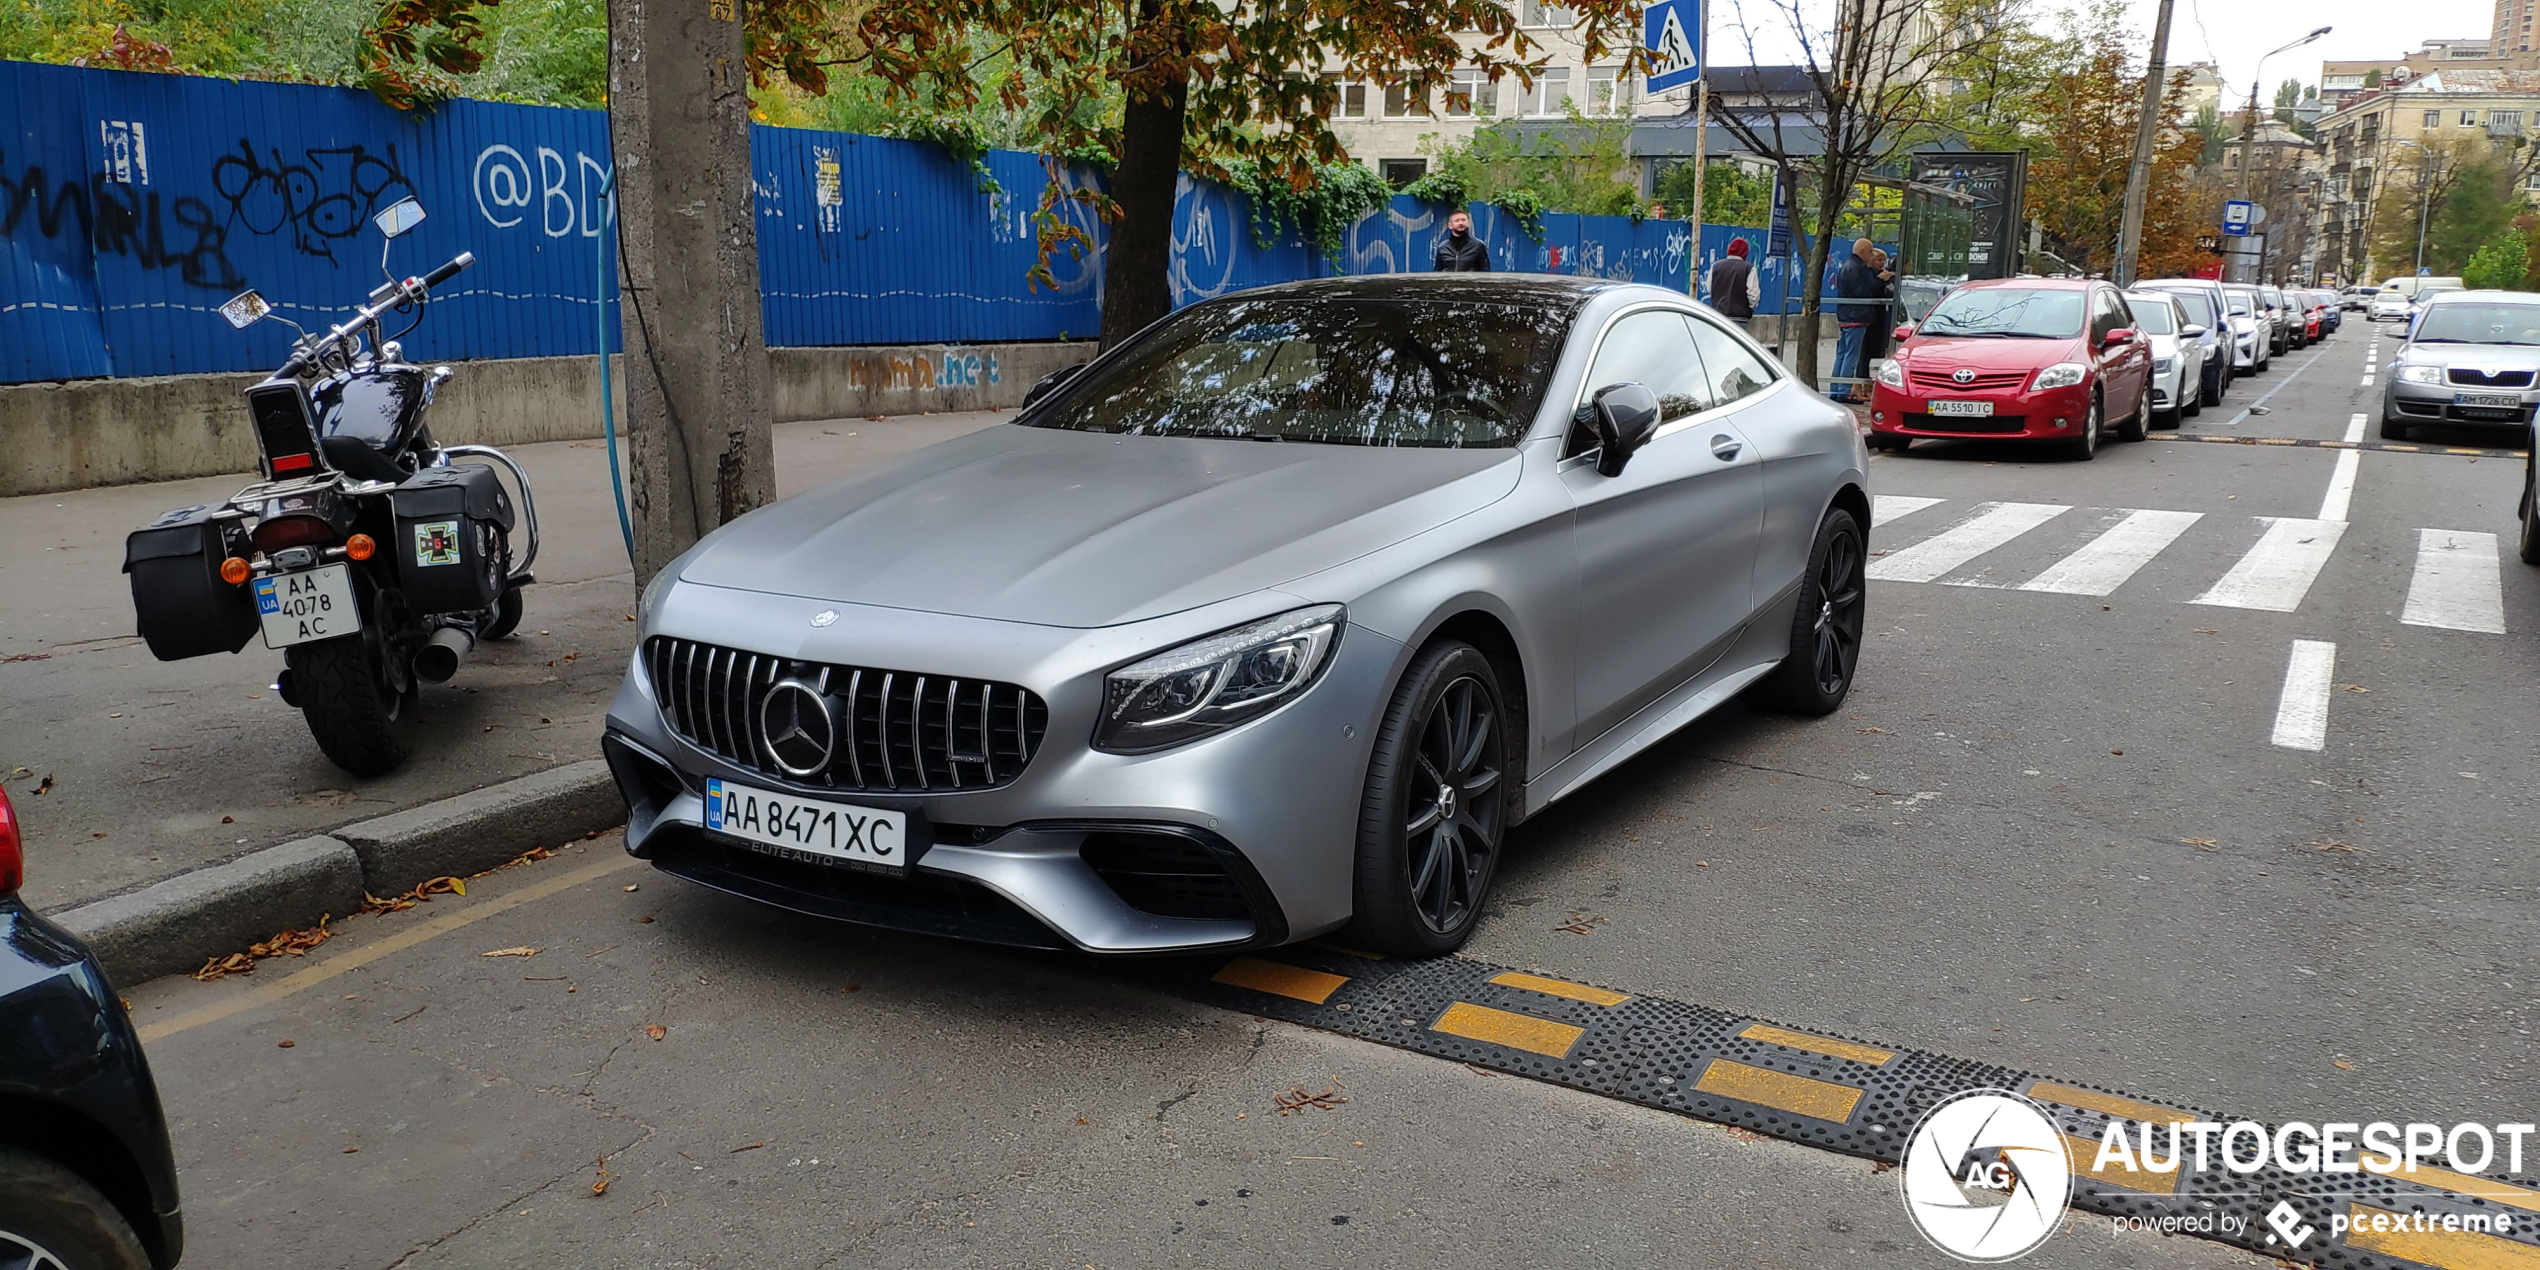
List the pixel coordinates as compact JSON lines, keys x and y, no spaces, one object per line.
{"x":183,"y":606}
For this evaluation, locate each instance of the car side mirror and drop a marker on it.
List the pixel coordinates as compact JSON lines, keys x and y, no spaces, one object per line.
{"x":1904,"y":330}
{"x":1052,"y":382}
{"x":1625,"y":416}
{"x":2121,"y":335}
{"x":2192,"y":332}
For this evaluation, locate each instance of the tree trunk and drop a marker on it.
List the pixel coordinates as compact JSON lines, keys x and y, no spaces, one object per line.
{"x":1136,"y":274}
{"x":1813,"y":276}
{"x":699,"y":447}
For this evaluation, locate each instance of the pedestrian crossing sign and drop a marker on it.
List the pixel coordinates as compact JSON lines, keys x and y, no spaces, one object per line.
{"x":1671,"y":33}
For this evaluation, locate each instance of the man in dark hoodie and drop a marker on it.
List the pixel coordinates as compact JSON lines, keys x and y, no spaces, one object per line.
{"x":1460,"y":251}
{"x":1734,"y":285}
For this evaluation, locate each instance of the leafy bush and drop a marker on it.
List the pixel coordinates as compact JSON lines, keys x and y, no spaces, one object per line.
{"x":2501,"y":264}
{"x":1330,"y":203}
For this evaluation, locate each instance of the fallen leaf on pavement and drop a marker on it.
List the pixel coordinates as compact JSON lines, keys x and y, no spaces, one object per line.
{"x":45,"y":786}
{"x":1580,"y":924}
{"x":601,"y":1187}
{"x":296,"y":943}
{"x":1882,"y":1166}
{"x":751,"y":1147}
{"x":1297,"y":1100}
{"x":2205,"y":843}
{"x":1878,"y":730}
{"x":656,"y":1031}
{"x":284,"y":1044}
{"x":2341,"y":1064}
{"x":522,"y":951}
{"x":1744,"y":1135}
{"x":2332,"y":846}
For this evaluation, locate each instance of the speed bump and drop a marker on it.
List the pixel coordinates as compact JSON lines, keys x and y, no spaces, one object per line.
{"x":1859,"y":1097}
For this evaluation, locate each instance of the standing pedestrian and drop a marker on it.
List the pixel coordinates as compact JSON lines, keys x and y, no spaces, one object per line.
{"x":1460,"y":251}
{"x":1874,"y":339}
{"x":1736,"y":286}
{"x":1857,"y":286}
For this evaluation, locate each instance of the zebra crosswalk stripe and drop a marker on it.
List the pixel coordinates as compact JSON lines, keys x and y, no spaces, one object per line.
{"x":2275,"y":574}
{"x":1992,"y":525}
{"x":1887,"y":507}
{"x":2107,"y":561}
{"x":2457,"y":585}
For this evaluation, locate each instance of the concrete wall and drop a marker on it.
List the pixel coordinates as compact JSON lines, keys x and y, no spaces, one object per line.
{"x":125,"y":431}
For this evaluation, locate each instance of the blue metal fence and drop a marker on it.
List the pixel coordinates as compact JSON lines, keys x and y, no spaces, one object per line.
{"x":131,"y":205}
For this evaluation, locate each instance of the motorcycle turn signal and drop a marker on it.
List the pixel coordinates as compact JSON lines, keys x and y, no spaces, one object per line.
{"x":233,"y":571}
{"x":360,"y":547}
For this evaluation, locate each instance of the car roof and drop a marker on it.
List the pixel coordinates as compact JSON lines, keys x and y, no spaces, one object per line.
{"x":2455,"y":295}
{"x":1481,"y":288}
{"x":2049,"y":284}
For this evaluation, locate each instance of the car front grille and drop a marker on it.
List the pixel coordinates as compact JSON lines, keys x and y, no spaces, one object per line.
{"x":1941,"y":381}
{"x":2470,"y":377}
{"x":888,"y":730}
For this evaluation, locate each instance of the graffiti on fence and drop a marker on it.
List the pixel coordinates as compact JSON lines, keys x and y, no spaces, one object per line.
{"x":564,"y":198}
{"x":120,"y":219}
{"x":325,"y":195}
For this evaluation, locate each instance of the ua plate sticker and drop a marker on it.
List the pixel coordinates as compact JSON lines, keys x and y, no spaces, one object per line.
{"x":437,"y":542}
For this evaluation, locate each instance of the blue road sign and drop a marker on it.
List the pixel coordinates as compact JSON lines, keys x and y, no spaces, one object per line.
{"x":1672,"y":32}
{"x":2237,"y":217}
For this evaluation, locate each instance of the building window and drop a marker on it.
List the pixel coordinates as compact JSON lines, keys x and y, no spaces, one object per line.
{"x":1472,"y":92}
{"x":1537,"y":13}
{"x":2469,"y":118}
{"x":1402,"y":103}
{"x":1549,"y":96}
{"x":1402,"y":172}
{"x":2434,"y":119}
{"x":1608,"y":91}
{"x":1352,"y":102}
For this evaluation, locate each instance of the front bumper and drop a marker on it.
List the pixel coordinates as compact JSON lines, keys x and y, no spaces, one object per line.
{"x":2434,"y":403}
{"x":1246,"y":838}
{"x":2053,"y":415}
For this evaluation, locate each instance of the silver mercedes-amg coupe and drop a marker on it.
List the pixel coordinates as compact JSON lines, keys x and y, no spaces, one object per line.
{"x":1270,"y":621}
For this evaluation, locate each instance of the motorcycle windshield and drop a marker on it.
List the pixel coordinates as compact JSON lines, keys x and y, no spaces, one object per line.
{"x":380,"y":407}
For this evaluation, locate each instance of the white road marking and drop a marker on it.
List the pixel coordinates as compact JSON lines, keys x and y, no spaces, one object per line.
{"x":1992,"y":525}
{"x":2301,"y":714}
{"x":2367,"y":381}
{"x":2354,"y":429}
{"x":2275,"y":574}
{"x":2341,"y":485}
{"x":2104,"y":564}
{"x":1887,"y":507}
{"x":2457,"y":586}
{"x":2280,"y":386}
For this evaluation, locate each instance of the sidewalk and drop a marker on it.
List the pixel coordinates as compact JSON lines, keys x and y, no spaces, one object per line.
{"x":161,"y":767}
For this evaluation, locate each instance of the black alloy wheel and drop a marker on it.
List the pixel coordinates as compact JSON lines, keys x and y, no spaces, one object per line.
{"x":1825,"y":629}
{"x":1436,"y":807}
{"x":2529,"y":548}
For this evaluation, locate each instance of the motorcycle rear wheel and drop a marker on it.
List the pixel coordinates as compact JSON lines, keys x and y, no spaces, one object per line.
{"x":361,"y":713}
{"x":505,"y":614}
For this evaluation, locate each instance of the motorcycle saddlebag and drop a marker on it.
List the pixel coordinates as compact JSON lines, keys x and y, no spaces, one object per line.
{"x":451,"y":523}
{"x":179,"y":602}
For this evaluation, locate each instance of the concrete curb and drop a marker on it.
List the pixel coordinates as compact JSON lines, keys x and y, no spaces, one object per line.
{"x":173,"y":926}
{"x":479,"y":830}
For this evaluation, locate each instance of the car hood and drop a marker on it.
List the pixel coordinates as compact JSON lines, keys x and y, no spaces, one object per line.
{"x":1937,"y":353}
{"x":2473,"y":356}
{"x":1085,"y":529}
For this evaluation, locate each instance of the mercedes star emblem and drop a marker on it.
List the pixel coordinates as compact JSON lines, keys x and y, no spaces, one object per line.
{"x":799,"y":727}
{"x":1963,"y":375}
{"x":824,"y":617}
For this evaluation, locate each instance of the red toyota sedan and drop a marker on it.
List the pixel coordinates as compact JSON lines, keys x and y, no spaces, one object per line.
{"x":2017,"y":359}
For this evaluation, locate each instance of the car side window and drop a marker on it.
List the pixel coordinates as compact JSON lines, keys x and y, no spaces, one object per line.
{"x":2099,"y":318}
{"x":1732,"y":370}
{"x":1653,"y":348}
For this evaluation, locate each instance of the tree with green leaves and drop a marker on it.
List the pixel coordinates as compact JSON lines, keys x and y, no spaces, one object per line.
{"x":1730,"y":194}
{"x":2502,"y":263}
{"x":1576,"y":166}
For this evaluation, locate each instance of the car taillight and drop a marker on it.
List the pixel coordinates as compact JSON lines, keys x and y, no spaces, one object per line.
{"x":12,"y":857}
{"x":292,"y":531}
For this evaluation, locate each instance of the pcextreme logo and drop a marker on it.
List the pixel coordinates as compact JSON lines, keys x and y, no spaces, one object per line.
{"x":1985,"y":1177}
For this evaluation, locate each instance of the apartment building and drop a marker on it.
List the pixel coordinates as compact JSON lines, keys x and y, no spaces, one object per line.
{"x":2382,"y":144}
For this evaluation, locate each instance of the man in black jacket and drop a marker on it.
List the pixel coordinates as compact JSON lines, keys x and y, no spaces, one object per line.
{"x":1855,"y":282}
{"x":1734,"y":285}
{"x":1460,"y":251}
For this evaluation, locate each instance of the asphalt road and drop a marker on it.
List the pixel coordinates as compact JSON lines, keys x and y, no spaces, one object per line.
{"x":158,"y":767}
{"x":2078,"y":833}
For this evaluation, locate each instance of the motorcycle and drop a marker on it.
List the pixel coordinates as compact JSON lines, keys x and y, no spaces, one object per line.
{"x":366,"y":555}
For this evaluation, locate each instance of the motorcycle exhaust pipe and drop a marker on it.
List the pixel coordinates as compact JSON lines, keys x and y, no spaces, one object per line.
{"x":440,"y":655}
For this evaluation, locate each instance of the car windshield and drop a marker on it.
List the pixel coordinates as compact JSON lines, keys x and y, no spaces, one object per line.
{"x":2152,"y":317}
{"x":2479,"y":323}
{"x":1332,"y":369}
{"x":2242,"y":303}
{"x":2008,"y":312}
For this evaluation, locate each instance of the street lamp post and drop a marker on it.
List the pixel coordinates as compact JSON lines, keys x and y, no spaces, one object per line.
{"x":2425,"y":193}
{"x":2249,"y":128}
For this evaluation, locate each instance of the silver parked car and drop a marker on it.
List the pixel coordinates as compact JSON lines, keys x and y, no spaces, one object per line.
{"x":2471,"y":358}
{"x":2178,"y":355}
{"x":1270,"y":621}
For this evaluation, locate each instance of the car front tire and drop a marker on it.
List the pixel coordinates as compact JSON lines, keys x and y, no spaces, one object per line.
{"x":2083,"y":448}
{"x":47,"y":1210}
{"x":2139,"y":424}
{"x":2530,"y":546}
{"x":1825,"y":631}
{"x":2392,"y":429}
{"x":1437,"y":806}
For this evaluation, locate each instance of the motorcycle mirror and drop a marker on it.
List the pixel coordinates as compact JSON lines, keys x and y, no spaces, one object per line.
{"x":245,"y":309}
{"x":398,"y":217}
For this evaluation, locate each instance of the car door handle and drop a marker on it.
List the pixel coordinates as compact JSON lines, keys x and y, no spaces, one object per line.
{"x":1724,"y":447}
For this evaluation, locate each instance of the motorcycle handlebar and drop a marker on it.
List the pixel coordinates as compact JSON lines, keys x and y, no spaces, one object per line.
{"x":450,"y":270}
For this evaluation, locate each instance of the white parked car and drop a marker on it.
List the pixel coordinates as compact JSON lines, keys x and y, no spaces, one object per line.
{"x":2389,"y":305}
{"x":2178,"y":355}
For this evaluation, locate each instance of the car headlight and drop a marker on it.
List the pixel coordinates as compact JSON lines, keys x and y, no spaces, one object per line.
{"x":1212,"y":684}
{"x":2418,"y":374}
{"x":2164,"y":365}
{"x":1888,"y":371}
{"x":2060,"y":375}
